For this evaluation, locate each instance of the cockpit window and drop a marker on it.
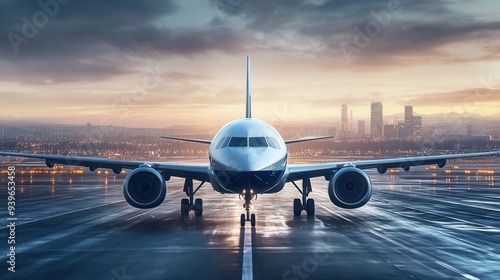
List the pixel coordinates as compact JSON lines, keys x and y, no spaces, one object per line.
{"x":273,"y":143}
{"x":257,"y":142}
{"x":238,"y":142}
{"x":220,"y":143}
{"x":226,"y":141}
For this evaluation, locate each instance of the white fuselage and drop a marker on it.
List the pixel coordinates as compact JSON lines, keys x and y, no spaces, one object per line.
{"x":248,"y":155}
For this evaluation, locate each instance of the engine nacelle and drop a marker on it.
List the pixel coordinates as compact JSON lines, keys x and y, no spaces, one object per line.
{"x":144,"y":188}
{"x":350,"y":188}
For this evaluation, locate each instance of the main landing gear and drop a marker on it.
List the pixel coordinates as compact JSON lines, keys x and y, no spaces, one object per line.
{"x":248,"y":205}
{"x":189,"y":204}
{"x":306,"y":204}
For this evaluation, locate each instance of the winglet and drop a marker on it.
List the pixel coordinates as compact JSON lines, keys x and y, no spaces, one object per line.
{"x":249,"y":95}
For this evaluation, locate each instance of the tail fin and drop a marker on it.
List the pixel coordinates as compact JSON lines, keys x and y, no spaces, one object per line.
{"x":249,"y":95}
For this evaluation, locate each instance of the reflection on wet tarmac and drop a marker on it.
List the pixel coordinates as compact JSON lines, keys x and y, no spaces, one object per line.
{"x":426,"y":224}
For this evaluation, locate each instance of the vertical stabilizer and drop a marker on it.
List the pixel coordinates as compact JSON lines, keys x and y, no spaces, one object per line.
{"x":249,"y":95}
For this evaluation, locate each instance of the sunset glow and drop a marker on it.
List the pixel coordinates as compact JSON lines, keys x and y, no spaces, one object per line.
{"x":164,"y":63}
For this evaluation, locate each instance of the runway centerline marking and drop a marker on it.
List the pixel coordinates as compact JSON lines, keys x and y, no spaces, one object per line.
{"x":247,"y":271}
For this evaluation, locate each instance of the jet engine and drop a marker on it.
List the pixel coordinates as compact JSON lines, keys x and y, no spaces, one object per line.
{"x":350,"y":188}
{"x":144,"y":188}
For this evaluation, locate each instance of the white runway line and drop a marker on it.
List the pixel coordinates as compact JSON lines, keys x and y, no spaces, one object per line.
{"x":131,"y":218}
{"x":247,"y":271}
{"x":466,"y":276}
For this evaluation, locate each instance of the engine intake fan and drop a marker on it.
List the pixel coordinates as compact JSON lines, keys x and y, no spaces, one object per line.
{"x":350,"y":188}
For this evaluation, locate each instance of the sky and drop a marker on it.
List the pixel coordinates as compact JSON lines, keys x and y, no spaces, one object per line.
{"x":174,"y":62}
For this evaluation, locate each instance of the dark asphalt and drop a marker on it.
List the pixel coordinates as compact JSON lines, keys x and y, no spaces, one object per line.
{"x":422,"y":224}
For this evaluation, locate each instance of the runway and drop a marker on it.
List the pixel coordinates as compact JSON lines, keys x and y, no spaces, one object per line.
{"x":422,"y":224}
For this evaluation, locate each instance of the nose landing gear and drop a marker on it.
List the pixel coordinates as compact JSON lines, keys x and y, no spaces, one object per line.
{"x":248,"y":205}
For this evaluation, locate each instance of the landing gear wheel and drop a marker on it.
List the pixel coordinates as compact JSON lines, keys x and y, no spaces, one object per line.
{"x":310,"y":207}
{"x":198,"y":207}
{"x":242,"y":220}
{"x":185,"y":207}
{"x":252,"y":220}
{"x":297,"y":207}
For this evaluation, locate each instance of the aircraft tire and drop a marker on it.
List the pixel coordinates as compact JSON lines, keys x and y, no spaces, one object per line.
{"x":310,"y":209}
{"x":198,"y":207}
{"x":242,"y":220}
{"x":297,"y":207}
{"x":184,"y":207}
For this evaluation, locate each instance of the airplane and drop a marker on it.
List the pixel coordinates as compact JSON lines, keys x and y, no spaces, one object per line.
{"x":247,"y":157}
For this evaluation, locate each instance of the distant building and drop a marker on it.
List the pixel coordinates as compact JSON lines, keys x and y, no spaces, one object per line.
{"x":361,"y":128}
{"x":409,"y":126}
{"x":391,"y":131}
{"x":376,"y":120}
{"x":344,"y":122}
{"x":394,"y":131}
{"x":417,"y":127}
{"x":402,"y":130}
{"x":351,"y":121}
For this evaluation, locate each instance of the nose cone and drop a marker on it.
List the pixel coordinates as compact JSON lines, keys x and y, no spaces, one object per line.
{"x":249,"y":160}
{"x":242,"y":160}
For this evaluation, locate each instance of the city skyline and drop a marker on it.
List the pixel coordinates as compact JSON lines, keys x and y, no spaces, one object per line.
{"x":149,"y":64}
{"x":410,"y":128}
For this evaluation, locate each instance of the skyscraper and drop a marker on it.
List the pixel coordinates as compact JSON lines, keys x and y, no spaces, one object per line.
{"x":409,"y":125}
{"x":361,"y":128}
{"x":344,"y":119}
{"x":417,"y":127}
{"x":376,"y":120}
{"x":351,"y":120}
{"x":344,"y":122}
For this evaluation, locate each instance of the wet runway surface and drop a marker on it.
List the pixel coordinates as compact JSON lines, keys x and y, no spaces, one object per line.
{"x":422,"y":224}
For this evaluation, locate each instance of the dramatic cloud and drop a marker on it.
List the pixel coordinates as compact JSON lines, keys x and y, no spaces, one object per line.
{"x":367,"y":33}
{"x":460,"y":99}
{"x":84,"y":40}
{"x":78,"y":57}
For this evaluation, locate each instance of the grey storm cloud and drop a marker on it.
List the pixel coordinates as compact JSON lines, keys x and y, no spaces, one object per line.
{"x":382,"y":29}
{"x":76,"y":26}
{"x":331,"y":15}
{"x":410,"y":42}
{"x":94,"y":39}
{"x":88,"y":40}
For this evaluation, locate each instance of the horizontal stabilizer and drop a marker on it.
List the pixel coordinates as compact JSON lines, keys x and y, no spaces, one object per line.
{"x":307,"y":139}
{"x":188,"y":139}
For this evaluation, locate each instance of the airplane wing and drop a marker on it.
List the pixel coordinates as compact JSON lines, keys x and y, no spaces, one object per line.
{"x":307,"y":139}
{"x":304,"y":171}
{"x":201,"y":141}
{"x":193,"y":171}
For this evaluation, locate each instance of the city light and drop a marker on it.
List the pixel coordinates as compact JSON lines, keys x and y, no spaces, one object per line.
{"x":485,"y":172}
